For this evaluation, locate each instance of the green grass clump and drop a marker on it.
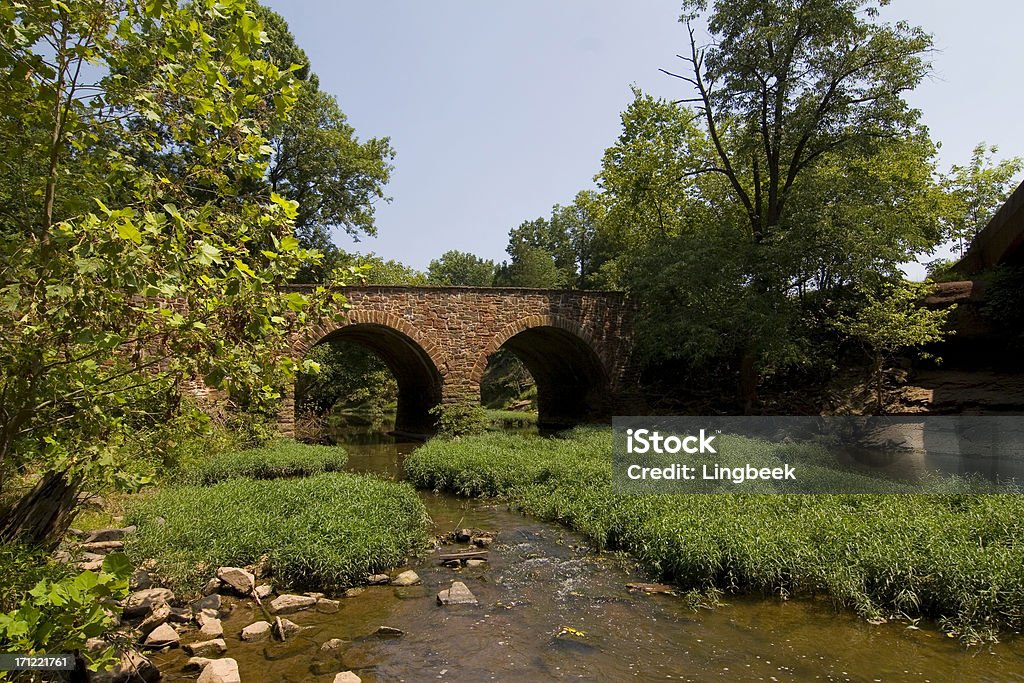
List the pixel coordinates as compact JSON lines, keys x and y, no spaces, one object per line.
{"x":324,"y":532}
{"x":276,"y":460}
{"x":958,"y":559}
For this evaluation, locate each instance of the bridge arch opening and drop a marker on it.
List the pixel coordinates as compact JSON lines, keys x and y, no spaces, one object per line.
{"x":417,"y":380}
{"x":571,"y":380}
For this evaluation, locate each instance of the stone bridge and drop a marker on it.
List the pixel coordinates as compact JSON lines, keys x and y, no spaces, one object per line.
{"x":1000,"y":241}
{"x":436,"y":341}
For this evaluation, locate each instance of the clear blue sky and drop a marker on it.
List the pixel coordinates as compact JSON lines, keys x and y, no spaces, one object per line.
{"x":497,"y":110}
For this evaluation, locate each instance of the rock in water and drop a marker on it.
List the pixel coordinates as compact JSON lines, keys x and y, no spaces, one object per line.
{"x":327,"y":606}
{"x":406,"y":578}
{"x":162,"y":636}
{"x":458,"y":594}
{"x":205,"y":648}
{"x":256,"y":631}
{"x":285,"y":627}
{"x":211,"y":628}
{"x":347,"y":677}
{"x":237,"y":579}
{"x":220,"y":671}
{"x":287,"y":603}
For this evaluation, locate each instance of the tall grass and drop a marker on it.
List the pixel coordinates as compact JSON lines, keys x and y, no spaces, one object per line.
{"x":958,"y":559}
{"x":324,"y":532}
{"x":276,"y":460}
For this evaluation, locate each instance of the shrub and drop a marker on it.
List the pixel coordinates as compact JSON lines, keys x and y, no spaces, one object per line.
{"x":62,"y":611}
{"x":460,"y":419}
{"x":276,"y":460}
{"x":324,"y":532}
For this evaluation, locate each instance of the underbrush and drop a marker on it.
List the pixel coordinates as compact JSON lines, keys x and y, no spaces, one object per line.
{"x":276,"y":460}
{"x":957,"y":559}
{"x":324,"y":532}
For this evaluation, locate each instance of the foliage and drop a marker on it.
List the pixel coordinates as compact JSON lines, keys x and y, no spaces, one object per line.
{"x":350,"y":376}
{"x":370,"y":269}
{"x":954,"y":558}
{"x":459,"y":419}
{"x":892,"y":320}
{"x":325,"y":532}
{"x":460,"y":268}
{"x":976,"y":191}
{"x":532,"y":267}
{"x":753,"y":210}
{"x":132,"y":194}
{"x":505,"y":381}
{"x":276,"y":460}
{"x":61,"y":613}
{"x":573,"y":240}
{"x":1004,"y":304}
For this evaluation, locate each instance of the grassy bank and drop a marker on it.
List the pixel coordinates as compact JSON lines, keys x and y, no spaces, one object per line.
{"x":277,"y":460}
{"x":321,"y":532}
{"x":958,"y":559}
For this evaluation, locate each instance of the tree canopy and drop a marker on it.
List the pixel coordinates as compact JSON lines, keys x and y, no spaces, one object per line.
{"x":139,"y":244}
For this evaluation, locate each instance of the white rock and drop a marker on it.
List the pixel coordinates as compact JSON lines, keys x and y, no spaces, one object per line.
{"x":264,"y":590}
{"x":162,"y":636}
{"x":142,"y":602}
{"x":159,"y":616}
{"x":212,"y":628}
{"x":256,"y":631}
{"x":204,"y":648}
{"x":287,"y":603}
{"x":406,"y":578}
{"x":458,"y":594}
{"x":220,"y":671}
{"x":347,"y":677}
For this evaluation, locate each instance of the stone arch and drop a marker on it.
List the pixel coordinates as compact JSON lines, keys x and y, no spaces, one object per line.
{"x":416,"y":362}
{"x":571,"y":375}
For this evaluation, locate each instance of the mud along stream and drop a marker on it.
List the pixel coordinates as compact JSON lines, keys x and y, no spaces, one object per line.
{"x":553,"y":609}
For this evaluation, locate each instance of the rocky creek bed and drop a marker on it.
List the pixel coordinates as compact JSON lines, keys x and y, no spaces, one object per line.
{"x":539,"y":604}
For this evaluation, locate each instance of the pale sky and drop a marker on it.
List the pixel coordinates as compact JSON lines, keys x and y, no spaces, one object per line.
{"x":497,"y":111}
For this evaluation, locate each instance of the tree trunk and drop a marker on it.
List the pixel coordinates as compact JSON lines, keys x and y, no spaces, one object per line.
{"x":748,"y":381}
{"x":42,"y":516}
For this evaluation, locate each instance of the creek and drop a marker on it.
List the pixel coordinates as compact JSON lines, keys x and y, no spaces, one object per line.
{"x":551,"y":608}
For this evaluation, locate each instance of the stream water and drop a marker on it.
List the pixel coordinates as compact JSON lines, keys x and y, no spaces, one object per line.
{"x":553,"y":609}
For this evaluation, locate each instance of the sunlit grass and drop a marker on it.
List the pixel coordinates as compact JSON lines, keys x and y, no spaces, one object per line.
{"x":958,"y":559}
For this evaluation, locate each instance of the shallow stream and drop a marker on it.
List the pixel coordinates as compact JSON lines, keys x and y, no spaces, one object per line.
{"x":552,"y":609}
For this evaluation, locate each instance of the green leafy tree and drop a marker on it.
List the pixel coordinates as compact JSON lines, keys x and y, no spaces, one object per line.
{"x":530,"y":267}
{"x":777,"y":177}
{"x":159,"y":272}
{"x":893,"y":321}
{"x":976,"y":191}
{"x":460,"y":268}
